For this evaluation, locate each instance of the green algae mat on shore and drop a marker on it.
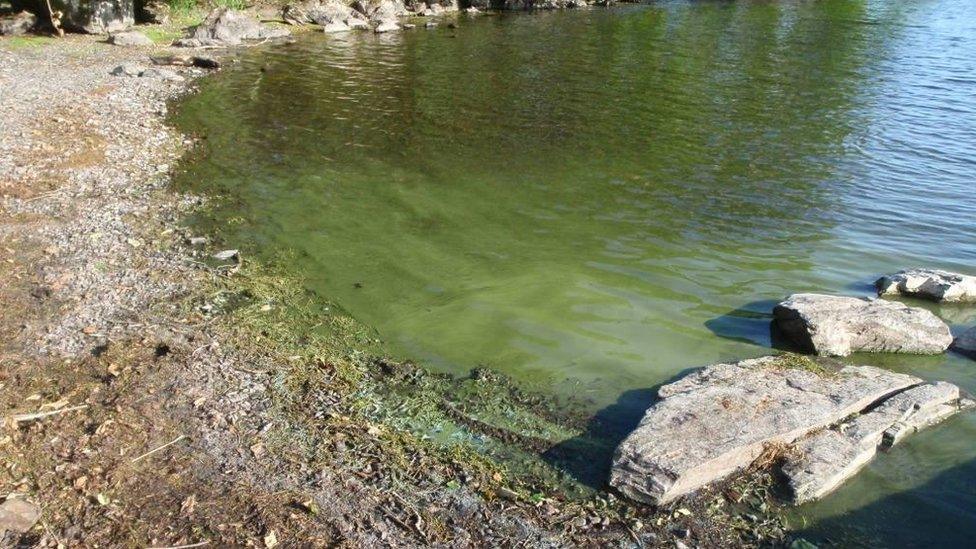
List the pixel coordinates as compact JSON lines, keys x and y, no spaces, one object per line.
{"x":595,"y":201}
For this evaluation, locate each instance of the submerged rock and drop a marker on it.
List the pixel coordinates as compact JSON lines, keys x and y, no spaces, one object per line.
{"x":839,"y":326}
{"x":226,"y":27}
{"x":823,"y":461}
{"x":929,"y":284}
{"x":17,"y":24}
{"x":718,"y":420}
{"x":966,"y":343}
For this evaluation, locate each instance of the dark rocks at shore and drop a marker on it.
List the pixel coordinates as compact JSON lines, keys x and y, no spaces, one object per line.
{"x":838,"y":326}
{"x":91,"y":16}
{"x":720,"y":419}
{"x":17,"y":24}
{"x":227,"y":27}
{"x":931,"y":284}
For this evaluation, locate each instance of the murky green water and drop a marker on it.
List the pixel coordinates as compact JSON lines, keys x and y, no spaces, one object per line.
{"x":601,"y":199}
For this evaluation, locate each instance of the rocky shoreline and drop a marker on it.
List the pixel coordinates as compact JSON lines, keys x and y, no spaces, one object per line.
{"x":161,"y":391}
{"x":156,"y":396}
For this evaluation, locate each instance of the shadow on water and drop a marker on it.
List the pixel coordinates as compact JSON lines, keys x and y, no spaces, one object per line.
{"x":587,"y":457}
{"x":946,"y":505}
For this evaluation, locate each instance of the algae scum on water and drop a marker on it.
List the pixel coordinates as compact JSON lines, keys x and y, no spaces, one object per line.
{"x":594,"y":202}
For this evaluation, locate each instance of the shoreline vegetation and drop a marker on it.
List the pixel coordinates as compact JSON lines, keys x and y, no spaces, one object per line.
{"x":161,"y":391}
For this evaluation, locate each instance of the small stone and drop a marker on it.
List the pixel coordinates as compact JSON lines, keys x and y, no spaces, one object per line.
{"x":162,"y":74}
{"x":18,"y":515}
{"x":226,"y":255}
{"x":127,"y":69}
{"x":197,"y":240}
{"x":130,"y":38}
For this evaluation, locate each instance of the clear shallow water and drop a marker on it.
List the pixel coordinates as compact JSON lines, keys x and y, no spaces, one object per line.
{"x":602,"y":199}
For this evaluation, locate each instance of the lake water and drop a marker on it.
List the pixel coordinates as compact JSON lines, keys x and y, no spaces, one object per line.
{"x":598,"y":200}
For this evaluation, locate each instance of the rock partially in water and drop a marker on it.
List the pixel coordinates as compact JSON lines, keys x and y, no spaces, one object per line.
{"x":381,"y":10}
{"x":386,"y":25}
{"x":966,"y":343}
{"x":17,"y":24}
{"x":838,"y":326}
{"x":227,"y":27}
{"x":337,"y":26}
{"x":718,"y":420}
{"x":330,"y":12}
{"x":930,"y":284}
{"x":823,"y":461}
{"x":129,"y":38}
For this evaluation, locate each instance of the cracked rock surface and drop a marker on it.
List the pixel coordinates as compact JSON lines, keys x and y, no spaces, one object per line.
{"x":719,"y":419}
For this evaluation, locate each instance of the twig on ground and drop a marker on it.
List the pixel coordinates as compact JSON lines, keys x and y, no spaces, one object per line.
{"x":198,"y":544}
{"x":163,"y":447}
{"x":20,"y":418}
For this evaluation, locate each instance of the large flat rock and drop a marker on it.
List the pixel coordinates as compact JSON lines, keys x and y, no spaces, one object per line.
{"x":718,"y":420}
{"x":838,"y":326}
{"x":930,"y":284}
{"x":823,"y":461}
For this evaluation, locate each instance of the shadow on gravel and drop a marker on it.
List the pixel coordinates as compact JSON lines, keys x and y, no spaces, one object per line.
{"x":587,"y":457}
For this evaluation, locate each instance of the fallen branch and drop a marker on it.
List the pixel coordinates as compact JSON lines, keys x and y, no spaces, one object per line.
{"x":20,"y":418}
{"x":163,"y":447}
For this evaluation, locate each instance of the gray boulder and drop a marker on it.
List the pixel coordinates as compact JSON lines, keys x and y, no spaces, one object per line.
{"x":930,"y":284}
{"x":966,"y":343}
{"x":718,"y":420}
{"x":130,"y":38}
{"x":91,"y":16}
{"x":227,"y":27}
{"x":839,"y":326}
{"x":320,"y":13}
{"x":381,"y":10}
{"x":823,"y":461}
{"x":17,"y":24}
